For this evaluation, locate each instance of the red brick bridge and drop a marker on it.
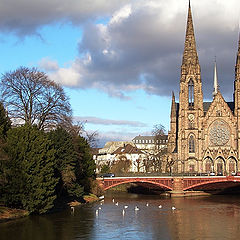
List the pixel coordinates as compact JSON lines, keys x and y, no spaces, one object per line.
{"x":176,"y":185}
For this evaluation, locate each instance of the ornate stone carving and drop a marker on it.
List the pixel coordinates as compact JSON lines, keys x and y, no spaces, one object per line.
{"x":219,"y":133}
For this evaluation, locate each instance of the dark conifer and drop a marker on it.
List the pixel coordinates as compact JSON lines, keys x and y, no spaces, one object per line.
{"x":31,"y":182}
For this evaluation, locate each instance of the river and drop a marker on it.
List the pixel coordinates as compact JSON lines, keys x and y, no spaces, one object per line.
{"x":214,"y":217}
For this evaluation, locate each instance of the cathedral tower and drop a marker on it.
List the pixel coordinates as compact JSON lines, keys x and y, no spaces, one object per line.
{"x":237,"y":94}
{"x":190,"y":97}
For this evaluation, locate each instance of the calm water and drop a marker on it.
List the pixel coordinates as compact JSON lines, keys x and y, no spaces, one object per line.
{"x":216,"y":217}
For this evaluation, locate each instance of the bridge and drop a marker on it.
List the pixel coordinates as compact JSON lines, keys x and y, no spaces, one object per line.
{"x":176,"y":186}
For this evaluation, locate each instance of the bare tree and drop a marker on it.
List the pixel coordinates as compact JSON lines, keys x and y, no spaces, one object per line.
{"x":158,"y":132}
{"x":79,"y":129}
{"x":31,"y":97}
{"x":122,"y":165}
{"x":139,"y":163}
{"x":154,"y":158}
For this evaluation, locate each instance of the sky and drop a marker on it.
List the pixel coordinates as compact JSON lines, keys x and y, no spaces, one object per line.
{"x":119,"y":60}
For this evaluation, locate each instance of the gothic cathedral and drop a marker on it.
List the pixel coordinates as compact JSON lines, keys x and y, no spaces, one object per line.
{"x":204,"y":137}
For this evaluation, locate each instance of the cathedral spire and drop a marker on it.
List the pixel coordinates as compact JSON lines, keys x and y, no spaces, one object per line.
{"x":173,"y":107}
{"x":215,"y":83}
{"x":237,"y":66}
{"x":190,"y":56}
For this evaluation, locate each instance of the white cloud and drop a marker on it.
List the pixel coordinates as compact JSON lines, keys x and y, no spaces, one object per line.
{"x":48,"y":65}
{"x":141,"y":47}
{"x":102,"y":121}
{"x":24,"y":17}
{"x":121,"y":14}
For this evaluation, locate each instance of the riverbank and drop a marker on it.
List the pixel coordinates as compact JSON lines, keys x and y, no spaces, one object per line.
{"x":7,"y":214}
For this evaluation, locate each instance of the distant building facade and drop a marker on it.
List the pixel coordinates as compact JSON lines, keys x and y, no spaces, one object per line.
{"x":150,"y":142}
{"x":203,"y":136}
{"x":141,"y":152}
{"x":106,"y":156}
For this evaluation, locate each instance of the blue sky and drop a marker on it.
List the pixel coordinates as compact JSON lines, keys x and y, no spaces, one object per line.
{"x":118,"y":61}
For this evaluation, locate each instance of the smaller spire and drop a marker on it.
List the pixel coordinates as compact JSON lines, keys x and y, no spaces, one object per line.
{"x":215,"y":81}
{"x":237,"y":66}
{"x":173,"y":108}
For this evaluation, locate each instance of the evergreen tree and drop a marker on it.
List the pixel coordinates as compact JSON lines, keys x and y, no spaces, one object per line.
{"x":30,"y":170}
{"x":85,"y":164}
{"x":66,"y":159}
{"x":5,"y":125}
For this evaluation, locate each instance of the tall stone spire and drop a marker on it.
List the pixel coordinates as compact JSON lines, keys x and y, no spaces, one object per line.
{"x":190,"y":57}
{"x":237,"y":66}
{"x":215,"y":82}
{"x":237,"y":83}
{"x":190,"y":95}
{"x":173,"y":107}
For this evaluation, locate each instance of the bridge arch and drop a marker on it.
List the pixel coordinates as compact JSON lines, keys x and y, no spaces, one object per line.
{"x":213,"y":184}
{"x":145,"y":181}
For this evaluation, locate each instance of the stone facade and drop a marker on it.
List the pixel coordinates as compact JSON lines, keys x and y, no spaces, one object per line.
{"x":150,"y":142}
{"x":204,"y":137}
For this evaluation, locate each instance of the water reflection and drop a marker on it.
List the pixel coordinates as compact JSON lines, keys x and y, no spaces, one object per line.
{"x":215,"y":217}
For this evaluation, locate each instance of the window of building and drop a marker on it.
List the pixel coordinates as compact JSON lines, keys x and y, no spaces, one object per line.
{"x":208,"y":165}
{"x":191,"y":144}
{"x":191,"y":167}
{"x":191,"y":94}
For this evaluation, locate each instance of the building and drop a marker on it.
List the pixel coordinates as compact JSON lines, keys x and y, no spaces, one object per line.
{"x":150,"y":142}
{"x":203,"y":136}
{"x":143,"y":153}
{"x":130,"y":154}
{"x":105,"y":155}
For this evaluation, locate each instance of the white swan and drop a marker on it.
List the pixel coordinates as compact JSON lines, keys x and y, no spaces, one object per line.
{"x":136,"y":208}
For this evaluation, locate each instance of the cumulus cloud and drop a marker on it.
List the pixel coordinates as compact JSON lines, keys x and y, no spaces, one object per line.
{"x":48,"y":64}
{"x":102,"y":121}
{"x":25,"y":17}
{"x":142,"y":44}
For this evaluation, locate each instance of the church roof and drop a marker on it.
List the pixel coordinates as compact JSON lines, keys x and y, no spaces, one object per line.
{"x":206,"y":106}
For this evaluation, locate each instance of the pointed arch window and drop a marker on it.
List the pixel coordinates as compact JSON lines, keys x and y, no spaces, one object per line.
{"x":191,"y":94}
{"x":191,"y":144}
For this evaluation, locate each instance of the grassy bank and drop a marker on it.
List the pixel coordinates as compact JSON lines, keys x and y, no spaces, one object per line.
{"x":86,"y":199}
{"x":9,"y":213}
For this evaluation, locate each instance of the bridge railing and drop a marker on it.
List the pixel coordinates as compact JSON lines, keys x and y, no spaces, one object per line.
{"x":158,"y":174}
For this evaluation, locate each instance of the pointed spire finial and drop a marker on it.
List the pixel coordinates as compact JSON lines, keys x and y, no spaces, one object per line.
{"x":215,"y":81}
{"x":237,"y":66}
{"x":173,"y":107}
{"x":190,"y":52}
{"x":238,"y":40}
